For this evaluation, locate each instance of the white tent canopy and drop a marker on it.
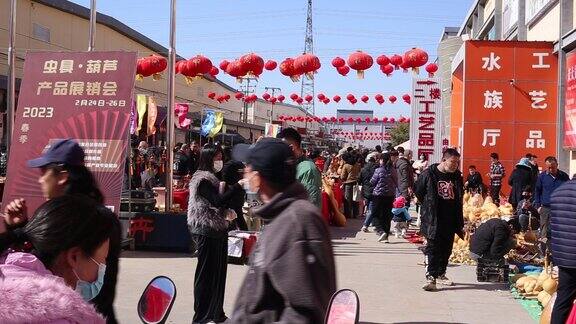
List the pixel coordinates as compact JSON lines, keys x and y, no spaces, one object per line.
{"x":405,"y":145}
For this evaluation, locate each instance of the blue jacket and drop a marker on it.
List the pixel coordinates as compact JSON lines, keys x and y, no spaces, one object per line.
{"x":563,"y":225}
{"x":545,"y":186}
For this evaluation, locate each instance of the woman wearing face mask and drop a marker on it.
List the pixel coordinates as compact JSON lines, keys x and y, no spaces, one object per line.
{"x":208,"y":220}
{"x":56,"y":263}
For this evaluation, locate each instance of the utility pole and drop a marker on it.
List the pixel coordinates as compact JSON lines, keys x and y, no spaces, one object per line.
{"x":308,"y":84}
{"x":273,"y":89}
{"x":247,"y":90}
{"x":92,"y":32}
{"x":11,"y":93}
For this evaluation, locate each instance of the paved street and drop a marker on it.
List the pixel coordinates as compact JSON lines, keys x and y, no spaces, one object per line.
{"x":387,"y":279}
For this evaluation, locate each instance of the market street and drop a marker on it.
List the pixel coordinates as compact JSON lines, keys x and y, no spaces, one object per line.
{"x":386,"y":277}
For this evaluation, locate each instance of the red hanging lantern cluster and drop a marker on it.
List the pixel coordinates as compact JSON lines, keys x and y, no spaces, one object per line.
{"x":195,"y":67}
{"x":250,"y":98}
{"x":407,"y":99}
{"x":214,"y":71}
{"x":365,"y":98}
{"x":287,"y":69}
{"x":415,"y":58}
{"x":379,"y":99}
{"x":336,"y":98}
{"x":396,"y":61}
{"x":281,"y":98}
{"x":431,"y":69}
{"x":239,"y":95}
{"x":270,"y":65}
{"x":358,"y":135}
{"x":342,"y":120}
{"x":151,"y":65}
{"x":307,"y":64}
{"x":252,"y":64}
{"x":360,"y":62}
{"x":392,"y":99}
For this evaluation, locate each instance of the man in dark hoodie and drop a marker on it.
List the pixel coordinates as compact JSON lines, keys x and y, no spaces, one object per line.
{"x":440,"y":189}
{"x":292,"y":274}
{"x":405,"y":174}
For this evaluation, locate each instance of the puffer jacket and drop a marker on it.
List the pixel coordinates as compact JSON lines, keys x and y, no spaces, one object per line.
{"x":563,"y":224}
{"x":385,"y":182}
{"x":365,"y":177}
{"x":32,"y":294}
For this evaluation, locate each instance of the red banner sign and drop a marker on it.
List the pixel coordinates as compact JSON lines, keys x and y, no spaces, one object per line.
{"x":570,"y":106}
{"x":85,"y":96}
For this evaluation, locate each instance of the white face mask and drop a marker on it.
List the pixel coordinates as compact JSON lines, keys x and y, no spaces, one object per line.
{"x":218,"y":165}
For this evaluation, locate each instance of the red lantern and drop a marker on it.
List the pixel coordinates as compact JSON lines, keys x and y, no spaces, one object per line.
{"x":354,"y":101}
{"x":224,"y":65}
{"x":431,"y":69}
{"x":333,"y":119}
{"x":281,"y":98}
{"x":299,"y":101}
{"x":379,"y":97}
{"x":350,"y":97}
{"x":375,"y":119}
{"x":178,"y":66}
{"x":273,"y":100}
{"x":341,"y":120}
{"x":415,"y":58}
{"x":336,"y":98}
{"x":214,"y":71}
{"x":294,"y":96}
{"x":266,"y":96}
{"x":308,"y":98}
{"x":404,"y":66}
{"x":387,"y":69}
{"x":252,"y":64}
{"x":358,"y":120}
{"x":211,"y":95}
{"x":197,"y":66}
{"x":392,"y":120}
{"x":226,"y":97}
{"x":383,"y":60}
{"x":326,"y":101}
{"x":392,"y":99}
{"x":270,"y":65}
{"x":338,"y":62}
{"x":406,"y":98}
{"x":321,"y":96}
{"x":350,"y":119}
{"x":236,"y":70}
{"x":317,"y":119}
{"x":385,"y":119}
{"x":150,"y":65}
{"x":360,"y":62}
{"x":325,"y":119}
{"x":367,"y":119}
{"x":402,"y":120}
{"x":343,"y":70}
{"x":239,"y":95}
{"x":396,"y":60}
{"x":287,"y":69}
{"x":365,"y":98}
{"x":307,"y":64}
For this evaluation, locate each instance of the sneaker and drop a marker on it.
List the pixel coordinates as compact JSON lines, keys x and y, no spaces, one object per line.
{"x":403,"y":234}
{"x":383,"y":238}
{"x":397,"y":234}
{"x":444,"y":281}
{"x":430,"y":284}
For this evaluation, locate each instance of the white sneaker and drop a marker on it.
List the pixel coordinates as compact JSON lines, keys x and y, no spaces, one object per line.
{"x":384,"y":238}
{"x":365,"y":229}
{"x":444,"y":281}
{"x":430,"y":284}
{"x":397,"y":235}
{"x":403,"y":234}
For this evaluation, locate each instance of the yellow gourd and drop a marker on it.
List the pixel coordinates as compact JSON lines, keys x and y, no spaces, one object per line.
{"x":550,"y":285}
{"x":529,"y":287}
{"x":542,"y":296}
{"x":516,"y":277}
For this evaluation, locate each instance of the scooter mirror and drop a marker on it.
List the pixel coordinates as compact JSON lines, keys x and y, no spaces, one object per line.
{"x":344,"y":308}
{"x":157,"y":300}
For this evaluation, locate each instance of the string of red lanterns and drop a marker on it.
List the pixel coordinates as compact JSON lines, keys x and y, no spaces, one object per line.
{"x":342,"y":120}
{"x":309,"y":98}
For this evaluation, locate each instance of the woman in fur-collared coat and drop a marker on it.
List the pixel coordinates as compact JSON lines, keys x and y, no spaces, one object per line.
{"x":207,"y":210}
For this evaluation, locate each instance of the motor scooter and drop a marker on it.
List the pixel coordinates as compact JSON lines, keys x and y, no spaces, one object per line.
{"x":157,"y":299}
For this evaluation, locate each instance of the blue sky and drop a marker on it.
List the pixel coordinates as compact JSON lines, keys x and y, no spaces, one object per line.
{"x":226,"y":29}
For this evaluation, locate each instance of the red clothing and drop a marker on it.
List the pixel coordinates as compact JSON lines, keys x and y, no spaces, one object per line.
{"x":320,"y":164}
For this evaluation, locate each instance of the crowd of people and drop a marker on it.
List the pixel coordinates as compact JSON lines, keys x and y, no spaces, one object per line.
{"x":72,"y":256}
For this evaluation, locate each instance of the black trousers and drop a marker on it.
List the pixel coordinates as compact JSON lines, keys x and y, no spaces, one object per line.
{"x":565,"y":295}
{"x":438,"y":252}
{"x":495,"y":194}
{"x":382,"y":213}
{"x":210,"y":278}
{"x":350,"y":206}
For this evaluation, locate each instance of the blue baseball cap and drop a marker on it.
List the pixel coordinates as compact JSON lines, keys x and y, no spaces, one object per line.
{"x":62,"y":151}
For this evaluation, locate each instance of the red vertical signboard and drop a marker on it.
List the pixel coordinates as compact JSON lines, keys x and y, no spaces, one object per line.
{"x":85,"y":96}
{"x":570,"y":106}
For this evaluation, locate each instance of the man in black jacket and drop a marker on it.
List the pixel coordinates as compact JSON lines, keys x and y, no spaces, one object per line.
{"x":493,"y":239}
{"x":474,"y":182}
{"x":292,"y":275}
{"x":440,"y":189}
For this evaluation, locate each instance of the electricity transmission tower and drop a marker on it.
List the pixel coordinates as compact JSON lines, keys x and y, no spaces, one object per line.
{"x":307,"y":84}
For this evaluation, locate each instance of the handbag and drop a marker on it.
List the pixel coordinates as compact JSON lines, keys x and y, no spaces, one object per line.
{"x":357,"y":193}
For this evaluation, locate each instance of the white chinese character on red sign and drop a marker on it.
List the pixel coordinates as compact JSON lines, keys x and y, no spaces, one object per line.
{"x":535,"y":140}
{"x":66,"y":66}
{"x":93,"y":88}
{"x":540,"y":64}
{"x":43,"y":85}
{"x":110,"y":65}
{"x":76,"y":88}
{"x":25,"y":128}
{"x":493,"y":134}
{"x":60,"y":88}
{"x":109,"y":88}
{"x":93,"y":66}
{"x":493,"y":99}
{"x":50,"y":67}
{"x":538,"y":98}
{"x":23,"y":139}
{"x":491,"y":62}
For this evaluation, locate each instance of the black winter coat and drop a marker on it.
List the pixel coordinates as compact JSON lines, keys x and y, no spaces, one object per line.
{"x":427,"y":193}
{"x":365,"y":176}
{"x":492,"y":239}
{"x":563,"y":225}
{"x":520,"y":178}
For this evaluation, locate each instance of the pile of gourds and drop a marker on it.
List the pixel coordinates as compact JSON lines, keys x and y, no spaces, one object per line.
{"x":461,"y":251}
{"x":542,"y":286}
{"x":476,"y":209}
